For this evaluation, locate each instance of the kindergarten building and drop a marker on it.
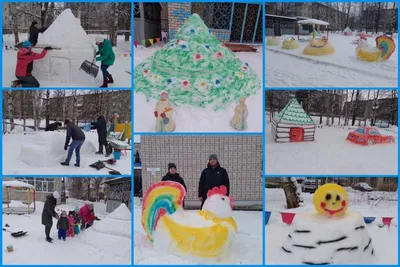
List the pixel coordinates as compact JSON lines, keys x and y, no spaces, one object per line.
{"x":118,"y":192}
{"x":240,"y":155}
{"x":230,"y":22}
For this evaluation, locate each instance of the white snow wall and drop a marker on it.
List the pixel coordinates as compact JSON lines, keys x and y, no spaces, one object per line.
{"x":62,"y":66}
{"x":281,"y":131}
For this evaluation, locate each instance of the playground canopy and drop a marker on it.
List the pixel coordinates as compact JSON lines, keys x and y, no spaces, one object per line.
{"x":9,"y":187}
{"x":293,"y":124}
{"x":313,"y":22}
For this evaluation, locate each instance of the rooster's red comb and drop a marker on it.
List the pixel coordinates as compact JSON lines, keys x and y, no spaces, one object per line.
{"x":217,"y":191}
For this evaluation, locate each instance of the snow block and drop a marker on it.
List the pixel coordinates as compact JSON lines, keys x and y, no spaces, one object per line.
{"x":47,"y":150}
{"x":316,"y":239}
{"x":62,"y":66}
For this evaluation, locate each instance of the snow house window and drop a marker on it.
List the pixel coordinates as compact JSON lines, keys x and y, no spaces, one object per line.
{"x":373,"y":132}
{"x":44,"y":185}
{"x":360,"y":130}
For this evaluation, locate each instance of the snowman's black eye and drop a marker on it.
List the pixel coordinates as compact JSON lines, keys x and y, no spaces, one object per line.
{"x":222,"y":198}
{"x":328,"y":196}
{"x":337,"y":198}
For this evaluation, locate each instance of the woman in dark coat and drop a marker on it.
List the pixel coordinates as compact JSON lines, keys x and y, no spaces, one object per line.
{"x":49,"y":213}
{"x":34,"y":33}
{"x":101,"y":126}
{"x":172,"y":175}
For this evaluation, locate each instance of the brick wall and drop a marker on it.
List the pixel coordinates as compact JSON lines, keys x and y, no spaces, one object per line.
{"x":241,"y":156}
{"x":177,"y":15}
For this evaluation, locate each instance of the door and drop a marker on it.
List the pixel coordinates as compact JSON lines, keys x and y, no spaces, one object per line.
{"x":296,"y":134}
{"x":277,"y":29}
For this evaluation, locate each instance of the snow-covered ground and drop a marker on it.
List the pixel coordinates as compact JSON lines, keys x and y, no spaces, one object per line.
{"x":108,"y":241}
{"x":291,"y":68}
{"x":330,"y":153}
{"x":384,"y":240}
{"x":119,"y":70}
{"x":246,"y":248}
{"x":42,"y":152}
{"x":194,"y":119}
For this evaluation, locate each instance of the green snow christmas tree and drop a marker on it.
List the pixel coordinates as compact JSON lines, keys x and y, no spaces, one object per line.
{"x":196,"y":69}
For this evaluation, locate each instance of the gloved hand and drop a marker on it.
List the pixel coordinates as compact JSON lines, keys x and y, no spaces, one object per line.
{"x":48,"y":48}
{"x":66,"y":147}
{"x":155,"y":114}
{"x":163,"y":115}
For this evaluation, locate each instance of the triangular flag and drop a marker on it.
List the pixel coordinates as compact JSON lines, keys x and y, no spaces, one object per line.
{"x":143,"y":43}
{"x":151,"y":41}
{"x":158,"y":40}
{"x":135,"y":43}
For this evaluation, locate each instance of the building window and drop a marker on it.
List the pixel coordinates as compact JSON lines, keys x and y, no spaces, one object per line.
{"x":386,"y":180}
{"x":42,"y":185}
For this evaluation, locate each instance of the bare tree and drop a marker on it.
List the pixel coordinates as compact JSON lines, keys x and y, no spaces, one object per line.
{"x":10,"y":108}
{"x":292,"y":199}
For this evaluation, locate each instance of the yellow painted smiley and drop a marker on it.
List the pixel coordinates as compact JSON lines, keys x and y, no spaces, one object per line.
{"x":331,"y":200}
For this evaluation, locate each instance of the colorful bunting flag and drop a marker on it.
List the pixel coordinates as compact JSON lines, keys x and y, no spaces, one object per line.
{"x":151,"y":41}
{"x":158,"y":40}
{"x":135,"y":43}
{"x":143,"y":43}
{"x":267,"y":215}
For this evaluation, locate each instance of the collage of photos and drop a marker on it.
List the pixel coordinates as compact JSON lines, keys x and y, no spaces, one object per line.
{"x":199,"y":133}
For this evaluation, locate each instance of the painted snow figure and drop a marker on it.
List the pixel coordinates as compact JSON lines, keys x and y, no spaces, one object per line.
{"x":101,"y":127}
{"x":86,"y":213}
{"x":34,"y":32}
{"x":78,"y":138}
{"x":328,"y":235}
{"x":239,"y":120}
{"x":24,"y":68}
{"x":63,"y":225}
{"x":163,"y":113}
{"x":51,"y":127}
{"x":196,"y":69}
{"x":49,"y":213}
{"x":206,"y":234}
{"x":106,"y":57}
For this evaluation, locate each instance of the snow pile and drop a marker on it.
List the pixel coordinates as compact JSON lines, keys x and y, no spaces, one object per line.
{"x":121,"y":213}
{"x":116,"y":223}
{"x":63,"y":65}
{"x":71,"y":37}
{"x":17,"y":204}
{"x":363,"y":44}
{"x":47,"y":150}
{"x":17,"y":184}
{"x":316,"y":239}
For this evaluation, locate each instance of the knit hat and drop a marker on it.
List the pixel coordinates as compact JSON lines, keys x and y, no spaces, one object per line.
{"x":213,"y":156}
{"x":90,"y":205}
{"x":171,"y":165}
{"x":76,"y":209}
{"x":99,"y":39}
{"x":66,"y":122}
{"x":164,"y":95}
{"x":34,"y":22}
{"x":56,"y":194}
{"x":26,"y":44}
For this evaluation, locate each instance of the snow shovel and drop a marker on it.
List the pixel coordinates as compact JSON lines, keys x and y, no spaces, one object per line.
{"x":15,"y":234}
{"x":90,"y":67}
{"x":100,"y":165}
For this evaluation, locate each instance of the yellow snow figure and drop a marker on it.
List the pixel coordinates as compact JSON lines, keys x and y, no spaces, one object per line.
{"x":290,"y":44}
{"x":385,"y":47}
{"x":273,"y":41}
{"x":239,"y":120}
{"x":318,"y":48}
{"x":204,"y":242}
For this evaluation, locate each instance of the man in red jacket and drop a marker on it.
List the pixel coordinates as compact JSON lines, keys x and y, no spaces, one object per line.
{"x":23,"y":71}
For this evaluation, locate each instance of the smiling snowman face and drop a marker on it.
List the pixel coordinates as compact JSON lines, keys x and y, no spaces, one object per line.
{"x":331,"y":200}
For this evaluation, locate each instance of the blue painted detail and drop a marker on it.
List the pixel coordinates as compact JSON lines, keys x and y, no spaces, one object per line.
{"x":217,"y":82}
{"x":169,"y":81}
{"x":171,"y":34}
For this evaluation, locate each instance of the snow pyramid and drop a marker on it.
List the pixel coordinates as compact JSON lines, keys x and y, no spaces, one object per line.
{"x":112,"y":233}
{"x":62,"y":66}
{"x":196,"y":69}
{"x":47,"y":150}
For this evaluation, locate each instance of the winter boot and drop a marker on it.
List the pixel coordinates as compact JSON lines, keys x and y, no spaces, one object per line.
{"x":105,"y":83}
{"x":100,"y":152}
{"x":65,"y":163}
{"x":77,"y":164}
{"x":110,"y":79}
{"x":49,"y":239}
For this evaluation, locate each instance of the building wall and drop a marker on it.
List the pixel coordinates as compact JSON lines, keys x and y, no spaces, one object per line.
{"x":178,"y":13}
{"x":241,"y":156}
{"x":118,"y":193}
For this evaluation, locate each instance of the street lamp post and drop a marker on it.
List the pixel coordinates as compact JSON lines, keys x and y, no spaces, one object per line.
{"x":63,"y":196}
{"x":374,"y":113}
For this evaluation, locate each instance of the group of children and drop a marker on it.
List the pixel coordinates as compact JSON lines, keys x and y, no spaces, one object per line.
{"x":71,"y":224}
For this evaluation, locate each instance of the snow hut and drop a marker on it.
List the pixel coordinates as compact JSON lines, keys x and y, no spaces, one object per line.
{"x":347,"y":31}
{"x":62,"y":65}
{"x":293,"y":124}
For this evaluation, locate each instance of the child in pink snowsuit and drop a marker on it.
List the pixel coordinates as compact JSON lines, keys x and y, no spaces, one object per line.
{"x":70,"y":231}
{"x":87,"y":216}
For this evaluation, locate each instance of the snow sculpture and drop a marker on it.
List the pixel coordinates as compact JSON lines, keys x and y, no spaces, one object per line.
{"x":73,"y":46}
{"x":196,"y":69}
{"x":384,"y":49}
{"x":163,"y":113}
{"x":329,"y":236}
{"x":207,"y":234}
{"x":239,"y":120}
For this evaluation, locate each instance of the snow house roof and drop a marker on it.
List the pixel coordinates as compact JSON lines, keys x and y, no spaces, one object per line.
{"x":293,"y":113}
{"x":17,"y":184}
{"x":313,"y":22}
{"x":66,"y":32}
